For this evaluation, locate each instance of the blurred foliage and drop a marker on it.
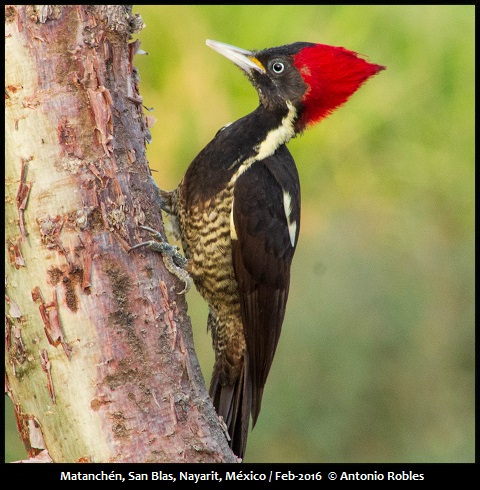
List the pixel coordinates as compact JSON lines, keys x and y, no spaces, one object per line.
{"x":376,"y":358}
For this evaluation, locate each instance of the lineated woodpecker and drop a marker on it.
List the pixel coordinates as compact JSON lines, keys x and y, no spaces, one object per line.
{"x":237,"y":213}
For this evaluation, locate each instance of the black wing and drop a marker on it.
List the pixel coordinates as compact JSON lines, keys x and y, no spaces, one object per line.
{"x":266,"y":218}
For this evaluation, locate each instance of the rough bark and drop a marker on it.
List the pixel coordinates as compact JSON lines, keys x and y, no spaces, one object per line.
{"x":99,"y":354}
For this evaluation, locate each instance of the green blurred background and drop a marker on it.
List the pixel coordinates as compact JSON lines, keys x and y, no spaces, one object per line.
{"x":376,"y":358}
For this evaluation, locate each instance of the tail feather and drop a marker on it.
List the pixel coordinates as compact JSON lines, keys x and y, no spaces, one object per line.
{"x":256,"y":403}
{"x":234,"y":403}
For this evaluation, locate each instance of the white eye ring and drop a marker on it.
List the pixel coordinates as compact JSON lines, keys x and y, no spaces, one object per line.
{"x":278,"y":67}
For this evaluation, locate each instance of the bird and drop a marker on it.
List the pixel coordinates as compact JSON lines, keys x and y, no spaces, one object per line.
{"x":237,"y":214}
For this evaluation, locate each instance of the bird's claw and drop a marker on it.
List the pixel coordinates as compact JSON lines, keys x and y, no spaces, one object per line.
{"x":174,"y":261}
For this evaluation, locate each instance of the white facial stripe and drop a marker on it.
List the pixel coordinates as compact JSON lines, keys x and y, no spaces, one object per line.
{"x":275,"y":138}
{"x":278,"y":136}
{"x":292,"y":225}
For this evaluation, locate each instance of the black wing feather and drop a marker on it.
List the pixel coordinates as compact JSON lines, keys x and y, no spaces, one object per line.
{"x":262,"y":255}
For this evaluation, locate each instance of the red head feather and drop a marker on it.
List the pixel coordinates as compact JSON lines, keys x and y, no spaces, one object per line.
{"x":332,"y":75}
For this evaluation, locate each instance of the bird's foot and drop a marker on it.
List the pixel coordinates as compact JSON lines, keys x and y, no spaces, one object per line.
{"x":174,"y":261}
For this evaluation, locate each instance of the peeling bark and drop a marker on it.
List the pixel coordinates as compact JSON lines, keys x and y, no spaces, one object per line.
{"x":99,"y":354}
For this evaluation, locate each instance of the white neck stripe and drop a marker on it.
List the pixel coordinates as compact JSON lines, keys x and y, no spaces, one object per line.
{"x":278,"y":136}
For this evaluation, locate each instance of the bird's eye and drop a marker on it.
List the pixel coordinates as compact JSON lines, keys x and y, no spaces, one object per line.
{"x":278,"y":67}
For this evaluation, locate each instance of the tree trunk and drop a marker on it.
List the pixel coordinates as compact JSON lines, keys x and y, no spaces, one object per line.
{"x":99,"y":353}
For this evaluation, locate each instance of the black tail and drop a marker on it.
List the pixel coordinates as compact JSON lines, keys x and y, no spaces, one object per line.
{"x":234,"y":403}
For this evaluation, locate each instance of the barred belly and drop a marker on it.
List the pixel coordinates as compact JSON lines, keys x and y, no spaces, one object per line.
{"x":207,"y":244}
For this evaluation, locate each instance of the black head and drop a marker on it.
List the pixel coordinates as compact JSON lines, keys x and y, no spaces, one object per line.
{"x":271,"y":71}
{"x":314,"y":78}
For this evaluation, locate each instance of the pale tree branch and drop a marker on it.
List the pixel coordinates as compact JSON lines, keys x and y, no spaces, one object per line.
{"x":100,"y":364}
